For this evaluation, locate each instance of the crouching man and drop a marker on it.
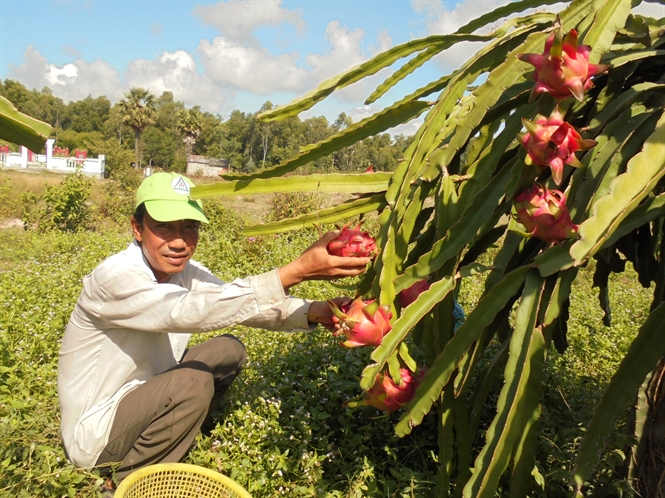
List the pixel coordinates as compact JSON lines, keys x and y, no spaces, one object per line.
{"x":130,"y":390}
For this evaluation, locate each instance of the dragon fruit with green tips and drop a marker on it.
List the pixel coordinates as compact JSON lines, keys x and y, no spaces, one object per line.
{"x":552,"y":143}
{"x":563,"y":69}
{"x":362,"y":323}
{"x":544,"y":214}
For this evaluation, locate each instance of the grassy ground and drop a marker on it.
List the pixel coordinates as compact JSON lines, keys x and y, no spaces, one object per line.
{"x":284,"y":429}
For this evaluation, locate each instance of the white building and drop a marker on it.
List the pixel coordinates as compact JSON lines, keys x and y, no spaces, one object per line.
{"x":27,"y":160}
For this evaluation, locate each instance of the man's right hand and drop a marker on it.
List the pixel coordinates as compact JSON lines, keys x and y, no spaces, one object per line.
{"x":316,"y":264}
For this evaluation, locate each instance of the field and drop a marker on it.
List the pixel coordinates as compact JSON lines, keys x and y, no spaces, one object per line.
{"x":284,"y":429}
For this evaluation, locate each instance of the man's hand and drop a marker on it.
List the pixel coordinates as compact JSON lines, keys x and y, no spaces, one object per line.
{"x":316,"y":264}
{"x":321,"y":312}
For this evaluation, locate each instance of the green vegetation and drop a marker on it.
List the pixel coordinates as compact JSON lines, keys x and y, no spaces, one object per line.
{"x":583,"y":187}
{"x":160,"y":132}
{"x":284,"y":429}
{"x":474,"y":207}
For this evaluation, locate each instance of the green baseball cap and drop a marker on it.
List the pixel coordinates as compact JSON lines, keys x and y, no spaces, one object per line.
{"x":166,"y":198}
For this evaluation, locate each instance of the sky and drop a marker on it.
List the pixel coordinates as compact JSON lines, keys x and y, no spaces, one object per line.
{"x":226,"y":55}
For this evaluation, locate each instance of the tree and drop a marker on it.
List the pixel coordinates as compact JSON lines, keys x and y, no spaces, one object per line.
{"x":87,"y":115}
{"x":138,"y":110}
{"x":160,"y":148}
{"x":558,"y":168}
{"x":189,"y":126}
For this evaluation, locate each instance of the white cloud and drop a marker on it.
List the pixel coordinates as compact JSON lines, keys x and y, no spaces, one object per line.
{"x":73,"y":81}
{"x":256,"y":70}
{"x":407,"y":129}
{"x":650,"y":10}
{"x":345,"y":52}
{"x":177,"y":72}
{"x":72,"y":51}
{"x":237,"y":19}
{"x":172,"y":71}
{"x":383,"y":42}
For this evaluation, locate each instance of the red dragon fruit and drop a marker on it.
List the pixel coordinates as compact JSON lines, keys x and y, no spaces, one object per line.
{"x":544,"y":214}
{"x":563,"y":69}
{"x":410,"y":294}
{"x":551,"y":142}
{"x":362,"y":323}
{"x":387,"y":395}
{"x":353,"y":243}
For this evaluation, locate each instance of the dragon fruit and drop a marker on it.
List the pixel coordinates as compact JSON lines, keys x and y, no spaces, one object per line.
{"x":563,"y":69}
{"x":551,"y":142}
{"x":387,"y":395}
{"x":353,"y":243}
{"x":410,"y":294}
{"x":362,"y":323}
{"x":544,"y":214}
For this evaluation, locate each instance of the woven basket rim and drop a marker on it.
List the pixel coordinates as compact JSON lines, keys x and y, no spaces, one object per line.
{"x":179,"y":468}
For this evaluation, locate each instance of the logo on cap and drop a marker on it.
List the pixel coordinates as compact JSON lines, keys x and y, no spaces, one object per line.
{"x":180,"y":186}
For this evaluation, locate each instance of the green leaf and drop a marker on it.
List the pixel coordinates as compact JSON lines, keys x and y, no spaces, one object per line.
{"x":406,"y":357}
{"x":503,"y":11}
{"x":518,"y":400}
{"x":361,"y":71}
{"x":335,"y":183}
{"x":436,"y":48}
{"x":499,"y":79}
{"x":20,"y":128}
{"x":524,"y":454}
{"x":619,"y":103}
{"x":334,"y":214}
{"x":405,"y":70}
{"x":644,"y":213}
{"x":617,"y":152}
{"x":397,"y":114}
{"x":559,"y":296}
{"x":642,"y":426}
{"x":461,"y":232}
{"x":619,"y":61}
{"x":626,"y":191}
{"x":556,"y":258}
{"x":644,"y":352}
{"x":411,"y":315}
{"x":609,"y":19}
{"x":444,"y":365}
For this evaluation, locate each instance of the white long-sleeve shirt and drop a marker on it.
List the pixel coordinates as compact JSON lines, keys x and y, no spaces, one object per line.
{"x":126,"y":328}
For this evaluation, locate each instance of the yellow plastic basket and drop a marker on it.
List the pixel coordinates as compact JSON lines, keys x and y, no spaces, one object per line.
{"x":178,"y":480}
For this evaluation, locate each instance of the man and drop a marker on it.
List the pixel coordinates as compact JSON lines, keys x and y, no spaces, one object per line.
{"x":130,"y":391}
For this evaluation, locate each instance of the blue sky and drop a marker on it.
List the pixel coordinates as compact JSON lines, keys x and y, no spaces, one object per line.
{"x":222,"y":55}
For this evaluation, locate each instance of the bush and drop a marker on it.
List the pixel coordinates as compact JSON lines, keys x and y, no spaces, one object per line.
{"x":7,"y":208}
{"x":62,"y":207}
{"x":292,"y":205}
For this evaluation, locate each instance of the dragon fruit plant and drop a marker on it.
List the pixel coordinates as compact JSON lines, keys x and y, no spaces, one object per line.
{"x":544,"y":214}
{"x":362,"y":323}
{"x":445,"y":217}
{"x":551,"y":142}
{"x":563,"y":69}
{"x":353,"y":243}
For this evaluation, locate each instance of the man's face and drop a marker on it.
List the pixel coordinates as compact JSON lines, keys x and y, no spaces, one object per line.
{"x":167,"y":245}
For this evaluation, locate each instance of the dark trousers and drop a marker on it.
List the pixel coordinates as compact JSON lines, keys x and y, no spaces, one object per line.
{"x":158,"y":421}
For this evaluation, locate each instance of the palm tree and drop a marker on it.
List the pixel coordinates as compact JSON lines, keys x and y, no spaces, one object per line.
{"x":138,"y":110}
{"x":189,"y":126}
